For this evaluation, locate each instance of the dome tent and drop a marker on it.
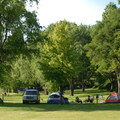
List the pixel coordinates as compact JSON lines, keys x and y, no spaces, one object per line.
{"x":113,"y":98}
{"x":54,"y":98}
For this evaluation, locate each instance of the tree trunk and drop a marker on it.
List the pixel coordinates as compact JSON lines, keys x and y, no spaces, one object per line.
{"x":111,"y":88}
{"x":10,"y":90}
{"x":118,"y":79}
{"x":118,"y":85}
{"x":72,"y":87}
{"x":61,"y":97}
{"x":45,"y":91}
{"x":83,"y":85}
{"x":111,"y":80}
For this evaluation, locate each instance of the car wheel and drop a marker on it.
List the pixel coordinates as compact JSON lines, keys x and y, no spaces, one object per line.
{"x":24,"y":102}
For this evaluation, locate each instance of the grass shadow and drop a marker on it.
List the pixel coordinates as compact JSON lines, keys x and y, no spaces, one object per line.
{"x":56,"y":107}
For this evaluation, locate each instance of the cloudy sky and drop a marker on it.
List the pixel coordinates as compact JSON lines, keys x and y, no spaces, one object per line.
{"x":78,"y":11}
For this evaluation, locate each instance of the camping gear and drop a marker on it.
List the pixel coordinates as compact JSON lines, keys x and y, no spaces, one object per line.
{"x":113,"y":98}
{"x":101,"y":97}
{"x":1,"y":101}
{"x":66,"y":100}
{"x":54,"y":98}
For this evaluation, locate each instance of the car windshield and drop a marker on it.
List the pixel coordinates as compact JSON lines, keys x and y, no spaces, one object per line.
{"x":31,"y":93}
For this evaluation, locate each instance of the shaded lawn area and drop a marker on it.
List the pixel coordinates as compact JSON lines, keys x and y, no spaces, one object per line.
{"x":56,"y":107}
{"x":19,"y":111}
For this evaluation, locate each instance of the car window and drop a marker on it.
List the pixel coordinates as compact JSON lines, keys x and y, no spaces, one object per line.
{"x":31,"y":93}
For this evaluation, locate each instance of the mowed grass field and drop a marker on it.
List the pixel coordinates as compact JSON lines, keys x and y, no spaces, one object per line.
{"x":13,"y":109}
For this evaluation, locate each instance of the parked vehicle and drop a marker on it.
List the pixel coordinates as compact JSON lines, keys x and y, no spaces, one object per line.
{"x":31,"y":95}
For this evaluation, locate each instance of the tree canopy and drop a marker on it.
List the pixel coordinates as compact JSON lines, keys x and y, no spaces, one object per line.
{"x":17,"y":26}
{"x":62,"y":55}
{"x":58,"y":55}
{"x":104,"y":48}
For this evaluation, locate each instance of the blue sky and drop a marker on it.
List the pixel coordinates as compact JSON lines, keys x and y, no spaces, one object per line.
{"x":78,"y":11}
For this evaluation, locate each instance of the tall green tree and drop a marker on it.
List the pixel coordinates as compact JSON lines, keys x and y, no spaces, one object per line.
{"x":82,"y":36}
{"x":108,"y":9}
{"x":17,"y":25}
{"x":25,"y":72}
{"x":105,"y":46}
{"x":59,"y":57}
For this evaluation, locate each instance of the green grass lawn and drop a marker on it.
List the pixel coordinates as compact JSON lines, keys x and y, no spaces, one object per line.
{"x":13,"y":109}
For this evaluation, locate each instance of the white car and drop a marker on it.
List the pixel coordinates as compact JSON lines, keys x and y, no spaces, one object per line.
{"x":31,"y":95}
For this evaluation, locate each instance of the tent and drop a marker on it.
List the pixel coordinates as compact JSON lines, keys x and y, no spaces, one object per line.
{"x":54,"y":98}
{"x":113,"y":98}
{"x":56,"y":93}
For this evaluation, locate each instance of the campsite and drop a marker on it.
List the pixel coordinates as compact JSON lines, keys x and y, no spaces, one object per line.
{"x":59,"y":59}
{"x":13,"y":109}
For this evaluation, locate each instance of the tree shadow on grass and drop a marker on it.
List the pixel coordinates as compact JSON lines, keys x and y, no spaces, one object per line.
{"x":56,"y":107}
